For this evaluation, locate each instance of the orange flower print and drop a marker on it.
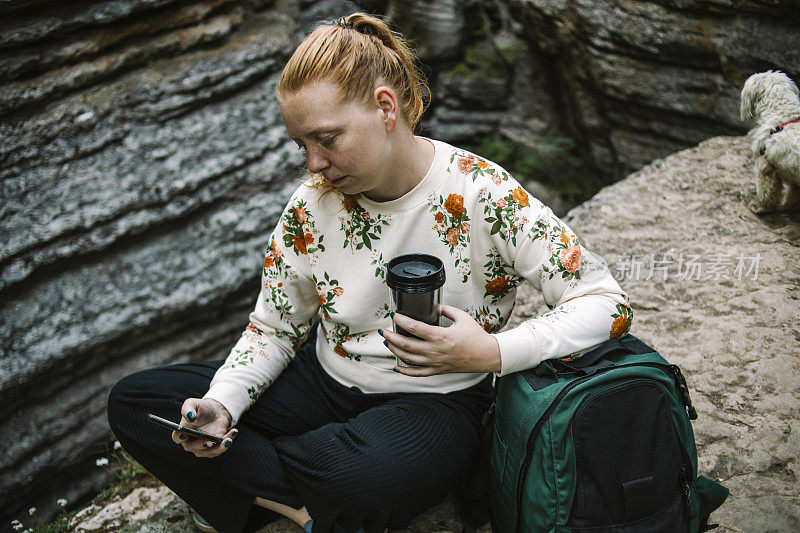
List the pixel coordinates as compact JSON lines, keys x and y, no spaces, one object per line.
{"x":340,"y":350}
{"x":300,"y":214}
{"x":268,"y":262}
{"x":452,"y":236}
{"x":338,"y":291}
{"x":309,"y":238}
{"x":564,"y":237}
{"x":496,"y":179}
{"x":439,"y":217}
{"x":487,"y":327}
{"x":501,"y":203}
{"x":276,"y":252}
{"x":619,"y":327}
{"x":571,"y":258}
{"x":498,"y":286}
{"x":520,"y":196}
{"x":482,"y":164}
{"x":465,"y":227}
{"x":300,"y":244}
{"x":455,"y":205}
{"x":465,"y":163}
{"x":322,"y":299}
{"x":365,"y":216}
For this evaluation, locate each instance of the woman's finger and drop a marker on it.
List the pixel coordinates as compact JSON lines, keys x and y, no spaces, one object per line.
{"x":453,"y":313}
{"x":189,"y":412}
{"x":227,"y":440}
{"x":416,"y":327}
{"x":178,"y":437}
{"x":418,"y":371}
{"x":206,"y":448}
{"x":405,"y":343}
{"x":407,"y":357}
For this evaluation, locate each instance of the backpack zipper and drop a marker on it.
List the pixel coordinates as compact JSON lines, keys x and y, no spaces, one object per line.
{"x":671,"y":370}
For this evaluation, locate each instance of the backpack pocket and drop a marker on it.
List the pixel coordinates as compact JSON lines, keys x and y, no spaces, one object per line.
{"x":628,"y":460}
{"x":499,"y":457}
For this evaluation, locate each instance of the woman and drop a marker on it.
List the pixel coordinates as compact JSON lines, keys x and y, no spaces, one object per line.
{"x":333,"y":433}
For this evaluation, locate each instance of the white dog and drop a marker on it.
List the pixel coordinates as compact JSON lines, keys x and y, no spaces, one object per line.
{"x":773,"y":100}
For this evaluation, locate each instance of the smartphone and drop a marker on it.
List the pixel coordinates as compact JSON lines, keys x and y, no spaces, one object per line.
{"x":196,"y":433}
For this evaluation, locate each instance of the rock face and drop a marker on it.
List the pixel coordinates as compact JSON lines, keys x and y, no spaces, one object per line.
{"x":634,"y":81}
{"x":715,"y":290}
{"x":137,"y":203}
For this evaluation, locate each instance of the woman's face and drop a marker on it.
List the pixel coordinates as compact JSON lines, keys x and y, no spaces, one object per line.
{"x":347,"y":142}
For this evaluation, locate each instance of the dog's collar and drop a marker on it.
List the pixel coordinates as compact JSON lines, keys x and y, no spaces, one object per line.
{"x":778,"y":129}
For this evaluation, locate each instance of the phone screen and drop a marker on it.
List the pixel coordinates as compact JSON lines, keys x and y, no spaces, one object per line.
{"x":196,"y":433}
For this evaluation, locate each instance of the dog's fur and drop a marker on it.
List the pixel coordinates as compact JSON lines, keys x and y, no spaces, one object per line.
{"x":771,"y":98}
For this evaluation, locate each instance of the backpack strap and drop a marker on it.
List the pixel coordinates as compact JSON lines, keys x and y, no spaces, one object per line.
{"x":547,"y":372}
{"x":625,"y":344}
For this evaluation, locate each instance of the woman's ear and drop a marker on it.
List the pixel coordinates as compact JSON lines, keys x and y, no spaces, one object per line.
{"x":386,"y":102}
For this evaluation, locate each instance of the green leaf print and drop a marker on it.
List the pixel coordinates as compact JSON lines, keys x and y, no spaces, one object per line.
{"x":499,"y":283}
{"x":452,"y":224}
{"x":242,"y":358}
{"x":299,"y":230}
{"x":474,"y":167}
{"x":377,"y":259}
{"x":340,"y":335}
{"x":298,"y":334}
{"x":361,"y":228}
{"x":565,"y":251}
{"x":506,"y":214}
{"x":327,"y":289}
{"x":490,"y":318}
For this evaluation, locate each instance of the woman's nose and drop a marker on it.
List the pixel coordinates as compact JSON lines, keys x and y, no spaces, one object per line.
{"x":316,"y":162}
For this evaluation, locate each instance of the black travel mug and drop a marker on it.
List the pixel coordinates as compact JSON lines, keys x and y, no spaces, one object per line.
{"x":416,"y":282}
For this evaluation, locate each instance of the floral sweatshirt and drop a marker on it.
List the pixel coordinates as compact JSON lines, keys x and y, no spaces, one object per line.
{"x":324,"y":261}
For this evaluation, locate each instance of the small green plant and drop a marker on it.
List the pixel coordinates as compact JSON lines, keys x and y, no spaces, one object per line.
{"x":129,"y":473}
{"x":553,"y":162}
{"x":58,"y":525}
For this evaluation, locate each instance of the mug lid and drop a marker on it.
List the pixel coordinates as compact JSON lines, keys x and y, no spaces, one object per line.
{"x":415,"y":273}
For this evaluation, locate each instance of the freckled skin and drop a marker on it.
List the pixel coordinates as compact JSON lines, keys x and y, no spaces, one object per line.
{"x":367,"y":144}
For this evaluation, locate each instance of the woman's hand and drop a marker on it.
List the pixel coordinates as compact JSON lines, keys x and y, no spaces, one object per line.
{"x":462,"y":347}
{"x":206,"y":415}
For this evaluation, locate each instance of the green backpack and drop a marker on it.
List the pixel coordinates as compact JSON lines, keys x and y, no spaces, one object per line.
{"x":602,"y":443}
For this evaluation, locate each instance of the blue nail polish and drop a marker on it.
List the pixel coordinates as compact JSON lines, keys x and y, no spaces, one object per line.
{"x":235,"y":432}
{"x":397,"y":371}
{"x":386,"y":344}
{"x":190,"y":415}
{"x":380,"y":332}
{"x":391,"y":314}
{"x":227,"y":443}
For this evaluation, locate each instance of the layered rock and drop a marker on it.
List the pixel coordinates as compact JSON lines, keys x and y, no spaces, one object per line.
{"x":635,"y":81}
{"x":137,"y":203}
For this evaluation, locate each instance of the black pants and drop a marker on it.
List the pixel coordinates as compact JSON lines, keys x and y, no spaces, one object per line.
{"x":362,"y":460}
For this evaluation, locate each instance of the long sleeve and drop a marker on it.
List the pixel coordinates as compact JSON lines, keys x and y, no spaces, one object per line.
{"x":283,"y":315}
{"x":586,"y":305}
